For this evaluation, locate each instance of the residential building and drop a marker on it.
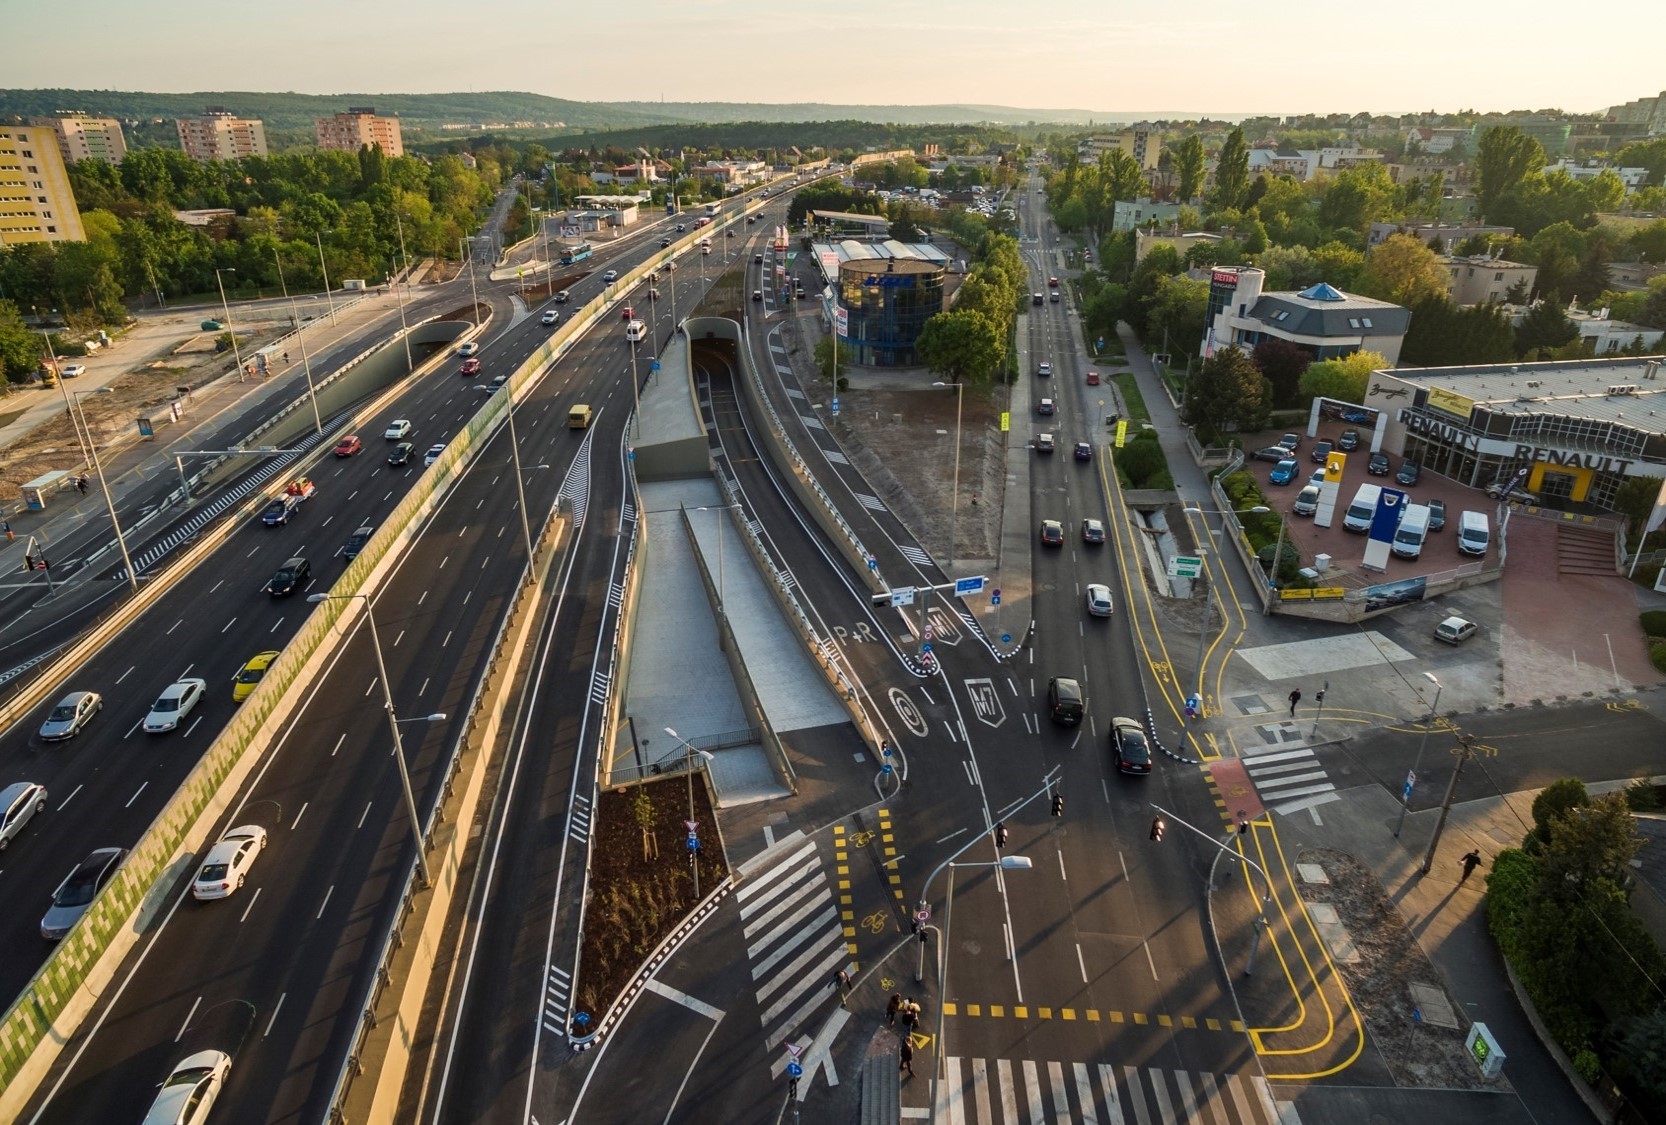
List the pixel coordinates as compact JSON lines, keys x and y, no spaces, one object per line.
{"x":85,"y":138}
{"x":732,"y":173}
{"x":1142,"y":142}
{"x":1633,"y":275}
{"x":1308,"y":163}
{"x":1633,"y":178}
{"x":1646,"y":116}
{"x":220,"y":134}
{"x":36,"y":203}
{"x":1436,"y":140}
{"x":1602,"y":333}
{"x":1322,"y":321}
{"x":1147,"y":240}
{"x":1552,"y":132}
{"x":1132,"y":214}
{"x":359,"y":128}
{"x":1450,"y":235}
{"x":1480,"y":280}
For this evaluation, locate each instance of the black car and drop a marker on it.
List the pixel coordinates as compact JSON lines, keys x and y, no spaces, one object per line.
{"x":1378,"y":465}
{"x":1274,"y":453}
{"x":400,"y":454}
{"x":1409,"y":472}
{"x":356,"y":542}
{"x":291,"y":576}
{"x":1349,"y":441}
{"x":664,"y":242}
{"x":1321,"y":451}
{"x":1437,"y":514}
{"x":1128,"y":745}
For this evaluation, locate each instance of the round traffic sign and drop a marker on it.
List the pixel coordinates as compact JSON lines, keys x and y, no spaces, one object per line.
{"x":795,"y":1069}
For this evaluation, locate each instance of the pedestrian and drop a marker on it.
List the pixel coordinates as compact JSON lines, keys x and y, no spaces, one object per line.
{"x":841,"y":981}
{"x":1295,"y":698}
{"x":286,"y":357}
{"x":906,"y":1054}
{"x":11,"y":536}
{"x":81,"y":484}
{"x":910,"y":1016}
{"x":1470,"y":861}
{"x":974,"y":499}
{"x":891,"y":1009}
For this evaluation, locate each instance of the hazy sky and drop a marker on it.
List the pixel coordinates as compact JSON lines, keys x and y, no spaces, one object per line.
{"x":1281,"y":56}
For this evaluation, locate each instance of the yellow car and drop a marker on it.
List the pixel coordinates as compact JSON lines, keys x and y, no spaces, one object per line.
{"x":248,"y":679}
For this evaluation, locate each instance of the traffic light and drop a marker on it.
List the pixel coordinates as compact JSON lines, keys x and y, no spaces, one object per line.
{"x":44,"y":565}
{"x":1058,"y":804}
{"x":1320,"y":696}
{"x":1001,"y":835}
{"x":28,"y":561}
{"x":1157,"y":827}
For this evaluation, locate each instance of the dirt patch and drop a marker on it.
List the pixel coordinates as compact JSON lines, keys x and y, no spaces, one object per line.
{"x":638,"y":896}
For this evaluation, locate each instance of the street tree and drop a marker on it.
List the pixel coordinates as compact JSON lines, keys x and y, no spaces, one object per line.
{"x":1177,"y":313}
{"x":20,"y":348}
{"x":962,"y":344}
{"x":1339,"y":265}
{"x":1345,"y":379}
{"x":1403,"y":270}
{"x":1545,"y":328}
{"x":1283,"y":363}
{"x":1506,"y":157}
{"x":1189,"y":164}
{"x":1231,"y":171}
{"x":1229,"y":394}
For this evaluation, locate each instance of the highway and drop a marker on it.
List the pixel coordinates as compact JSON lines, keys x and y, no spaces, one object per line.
{"x":294,"y":946}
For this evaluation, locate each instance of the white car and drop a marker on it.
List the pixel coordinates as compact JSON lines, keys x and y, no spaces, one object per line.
{"x":189,"y":1092}
{"x":468,"y":349}
{"x":398,"y":429}
{"x":18,"y":805}
{"x":1043,"y":369}
{"x":433,"y":454}
{"x":1099,"y":600}
{"x":611,"y":276}
{"x":171,"y":707}
{"x":227,"y":864}
{"x":72,"y":370}
{"x":550,"y":317}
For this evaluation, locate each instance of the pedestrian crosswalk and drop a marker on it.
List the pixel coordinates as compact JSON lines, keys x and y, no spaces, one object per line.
{"x":1288,"y":779}
{"x":980,"y":1091}
{"x":794,"y":941}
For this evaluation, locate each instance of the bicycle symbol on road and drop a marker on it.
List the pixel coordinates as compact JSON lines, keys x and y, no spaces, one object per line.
{"x":874,"y":923}
{"x":861,"y":839}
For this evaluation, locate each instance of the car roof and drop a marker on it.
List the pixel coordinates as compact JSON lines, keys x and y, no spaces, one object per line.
{"x":15,"y":790}
{"x":296,"y":561}
{"x":178,"y":687}
{"x":75,"y":697}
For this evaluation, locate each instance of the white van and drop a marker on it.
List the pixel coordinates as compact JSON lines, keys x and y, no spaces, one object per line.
{"x":1414,"y":527}
{"x":1474,"y":533}
{"x":1363,"y":509}
{"x":635,"y":331}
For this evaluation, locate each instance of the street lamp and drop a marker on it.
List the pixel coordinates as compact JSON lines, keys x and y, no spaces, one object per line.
{"x":300,"y":338}
{"x":1204,"y":632}
{"x":720,"y":509}
{"x":399,"y":293}
{"x":954,"y":497}
{"x":318,"y":238}
{"x":226,"y":310}
{"x":694,"y":854}
{"x":1405,"y":801}
{"x":473,"y":292}
{"x":57,"y":374}
{"x":104,"y":485}
{"x":515,"y":455}
{"x":393,"y":722}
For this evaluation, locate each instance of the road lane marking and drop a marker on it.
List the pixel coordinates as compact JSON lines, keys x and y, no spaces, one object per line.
{"x":692,"y":1003}
{"x":298,"y":816}
{"x":276,"y":1008}
{"x":366,"y":812}
{"x":252,"y":899}
{"x":69,"y":798}
{"x":370,"y":687}
{"x":229,"y":624}
{"x":182,"y":1027}
{"x":321,"y":907}
{"x":125,"y":674}
{"x":337,"y":746}
{"x":135,"y":796}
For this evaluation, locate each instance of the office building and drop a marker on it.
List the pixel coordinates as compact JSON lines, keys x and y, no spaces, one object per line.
{"x":359,"y":128}
{"x":1323,"y":321}
{"x":85,"y":138}
{"x":36,"y":203}
{"x":220,"y":134}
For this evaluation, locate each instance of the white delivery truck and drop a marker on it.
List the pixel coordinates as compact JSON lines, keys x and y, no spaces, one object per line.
{"x":1473,"y":533}
{"x":1413,"y":529}
{"x":1363,"y":510}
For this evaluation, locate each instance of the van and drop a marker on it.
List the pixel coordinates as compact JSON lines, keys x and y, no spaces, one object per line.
{"x":578,"y":418}
{"x":635,"y":331}
{"x":1409,"y":536}
{"x":1363,"y":509}
{"x":1473,"y":533}
{"x":1064,"y":701}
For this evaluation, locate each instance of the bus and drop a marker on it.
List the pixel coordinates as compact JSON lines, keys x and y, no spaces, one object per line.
{"x":576,"y":253}
{"x":713,"y":208}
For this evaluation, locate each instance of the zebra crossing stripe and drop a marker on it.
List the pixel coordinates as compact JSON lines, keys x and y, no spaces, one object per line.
{"x":763,"y":879}
{"x":872,"y":503}
{"x":914,"y":554}
{"x":829,"y":915}
{"x":1132,"y":1075}
{"x":835,"y":456}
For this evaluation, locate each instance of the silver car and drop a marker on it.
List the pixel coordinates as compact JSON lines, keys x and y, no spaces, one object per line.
{"x":71,"y":714}
{"x":1099,"y":600}
{"x":189,"y":1092}
{"x":19,"y":802}
{"x":1307,"y":501}
{"x":173,"y":705}
{"x":77,"y":892}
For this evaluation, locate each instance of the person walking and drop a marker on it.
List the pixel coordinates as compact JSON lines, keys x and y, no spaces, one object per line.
{"x":1470,"y":861}
{"x":841,"y":981}
{"x":906,"y":1054}
{"x":81,"y":484}
{"x":1295,"y":698}
{"x":891,"y":1009}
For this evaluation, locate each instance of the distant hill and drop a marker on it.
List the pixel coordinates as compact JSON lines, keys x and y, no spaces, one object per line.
{"x":727,"y":112}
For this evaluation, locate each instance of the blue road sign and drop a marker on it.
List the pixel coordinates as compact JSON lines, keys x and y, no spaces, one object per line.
{"x":995,"y":598}
{"x":693,"y":842}
{"x":1411,"y":781}
{"x":873,"y":563}
{"x":654,"y":366}
{"x":1006,"y":638}
{"x":795,"y":1069}
{"x":886,"y":768}
{"x":964,"y":586}
{"x":925,"y":647}
{"x":835,"y":404}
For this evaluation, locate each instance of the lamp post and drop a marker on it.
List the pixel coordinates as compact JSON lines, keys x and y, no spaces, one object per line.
{"x":954,"y":496}
{"x":694,"y":853}
{"x":300,"y":338}
{"x":225,"y":309}
{"x":1203,"y":633}
{"x":466,"y":245}
{"x":1405,"y":801}
{"x":515,"y":456}
{"x":318,"y":238}
{"x":720,"y":509}
{"x":393,"y":722}
{"x":57,"y":374}
{"x":104,"y":486}
{"x":399,"y":293}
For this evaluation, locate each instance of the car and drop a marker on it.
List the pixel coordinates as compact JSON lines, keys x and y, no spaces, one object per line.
{"x":610,"y":276}
{"x":468,"y":349}
{"x":757,"y":259}
{"x":757,"y":294}
{"x":291,"y":576}
{"x":1052,"y":533}
{"x":1129,"y":747}
{"x":1273,"y":453}
{"x":1052,"y":283}
{"x":227,"y":863}
{"x":1093,"y":378}
{"x":1292,"y":442}
{"x":1495,"y":491}
{"x":1358,"y":417}
{"x":1037,"y":299}
{"x":249,"y":676}
{"x":627,"y":313}
{"x":433,"y":453}
{"x":1307,"y":500}
{"x":731,"y":234}
{"x":397,"y":429}
{"x":1408,"y":474}
{"x":1349,"y":441}
{"x":401,"y":453}
{"x":664,"y":242}
{"x":550,"y":317}
{"x":1455,"y":630}
{"x":177,"y":701}
{"x":1044,"y":369}
{"x":1437,"y":514}
{"x":1054,"y":296}
{"x":563,"y":297}
{"x":1045,"y":406}
{"x":72,"y":370}
{"x":1320,"y":452}
{"x":1084,"y":451}
{"x":78,"y":890}
{"x":496,"y":384}
{"x":19,"y":804}
{"x":190,"y":1090}
{"x":470,"y":368}
{"x":1284,"y":472}
{"x":1318,"y":477}
{"x":1099,"y":600}
{"x":73,"y":712}
{"x":1093,"y":531}
{"x":1044,"y":443}
{"x":681,"y":227}
{"x":348,"y":446}
{"x":1378,"y":465}
{"x":356,"y":541}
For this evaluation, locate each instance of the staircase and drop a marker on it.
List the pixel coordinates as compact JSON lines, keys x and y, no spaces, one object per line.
{"x":1584,"y":550}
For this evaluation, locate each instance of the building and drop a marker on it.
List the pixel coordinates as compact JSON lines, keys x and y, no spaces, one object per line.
{"x":85,"y":138}
{"x":1603,"y":334}
{"x":1438,"y":140}
{"x":1147,"y":240}
{"x":841,"y":225}
{"x":1632,"y":178}
{"x":1450,"y":235}
{"x":1324,"y":322}
{"x":1308,"y":163}
{"x":358,"y":128}
{"x":888,"y":291}
{"x":732,"y":173}
{"x":1142,"y":142}
{"x":1579,"y":429}
{"x":221,"y":135}
{"x":1482,"y":280}
{"x":36,"y":203}
{"x":1132,"y":214}
{"x":1646,"y":117}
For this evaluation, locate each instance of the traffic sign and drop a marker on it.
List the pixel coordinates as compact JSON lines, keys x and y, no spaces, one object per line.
{"x":927,"y":634}
{"x":995,"y":598}
{"x":1411,"y":783}
{"x":923,"y":915}
{"x":925,"y":646}
{"x":835,"y":406}
{"x":902,"y":595}
{"x":1185,"y":566}
{"x":964,"y":586}
{"x":795,"y":1069}
{"x":693,"y":842}
{"x":873,"y":563}
{"x":1006,"y":638}
{"x":654,"y":366}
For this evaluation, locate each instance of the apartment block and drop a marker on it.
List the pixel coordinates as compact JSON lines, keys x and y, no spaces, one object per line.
{"x":85,"y":138}
{"x":220,"y":134}
{"x":358,"y":128}
{"x":1145,"y":145}
{"x":1483,"y":280}
{"x":36,"y":203}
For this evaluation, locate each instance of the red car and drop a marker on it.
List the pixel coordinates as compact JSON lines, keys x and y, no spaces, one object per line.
{"x":1052,"y":283}
{"x":470,"y":367}
{"x":627,"y":313}
{"x":349,"y":446}
{"x":1093,"y":378}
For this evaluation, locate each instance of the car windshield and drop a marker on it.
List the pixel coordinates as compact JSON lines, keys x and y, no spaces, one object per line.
{"x":188,"y":1077}
{"x":275,"y":506}
{"x":250,"y":675}
{"x":63,"y":712}
{"x":79,"y":890}
{"x":284,"y":575}
{"x":213,"y":872}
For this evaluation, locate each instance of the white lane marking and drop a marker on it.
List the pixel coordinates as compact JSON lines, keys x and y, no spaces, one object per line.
{"x":135,"y":796}
{"x":325,"y":903}
{"x":687,"y":1001}
{"x":252,"y":899}
{"x":276,"y":1008}
{"x":182,"y":1027}
{"x":298,"y":816}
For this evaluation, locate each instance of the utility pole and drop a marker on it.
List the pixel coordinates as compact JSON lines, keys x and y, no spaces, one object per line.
{"x":1466,"y":750}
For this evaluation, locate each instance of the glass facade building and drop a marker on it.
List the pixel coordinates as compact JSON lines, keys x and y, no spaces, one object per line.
{"x":888,"y":301}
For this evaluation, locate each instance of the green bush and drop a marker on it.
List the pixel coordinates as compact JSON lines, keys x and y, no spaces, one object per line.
{"x":1643,"y":795}
{"x":1141,"y":464}
{"x":1647,"y":575}
{"x":1654,"y":622}
{"x":1509,"y":889}
{"x":1657,"y":653}
{"x":1588,"y":1066}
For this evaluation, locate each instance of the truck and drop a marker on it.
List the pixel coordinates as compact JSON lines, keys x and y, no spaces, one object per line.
{"x":294,"y":494}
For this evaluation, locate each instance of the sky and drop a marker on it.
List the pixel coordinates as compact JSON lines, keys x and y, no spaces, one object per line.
{"x":1270,"y":56}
